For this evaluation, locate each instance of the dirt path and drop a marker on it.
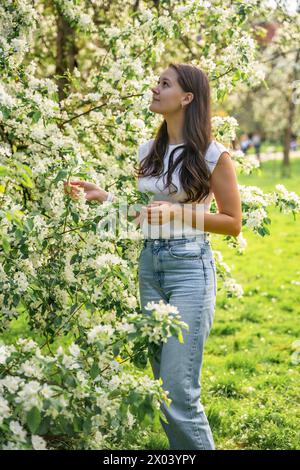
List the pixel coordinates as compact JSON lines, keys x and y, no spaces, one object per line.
{"x":277,"y":155}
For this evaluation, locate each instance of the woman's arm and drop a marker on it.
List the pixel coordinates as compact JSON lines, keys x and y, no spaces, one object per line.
{"x":95,"y":193}
{"x":91,"y":190}
{"x":224,"y":185}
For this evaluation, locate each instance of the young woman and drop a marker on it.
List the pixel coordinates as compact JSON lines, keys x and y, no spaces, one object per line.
{"x":176,"y":264}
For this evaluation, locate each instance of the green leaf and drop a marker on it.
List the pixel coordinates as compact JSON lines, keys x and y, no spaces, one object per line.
{"x":75,"y":258}
{"x":16,"y":299}
{"x":116,"y":349}
{"x":44,"y":426}
{"x":28,"y":224}
{"x":180,"y":337}
{"x":87,"y":426}
{"x":69,"y":380}
{"x":4,"y":171}
{"x":94,"y":370}
{"x":75,"y":217}
{"x":33,"y":419}
{"x":61,"y":175}
{"x":77,"y":424}
{"x":163,"y":416}
{"x":35,"y":115}
{"x":114,"y":393}
{"x":119,"y":250}
{"x":65,"y":426}
{"x":5,"y":244}
{"x":26,"y":181}
{"x":140,"y":360}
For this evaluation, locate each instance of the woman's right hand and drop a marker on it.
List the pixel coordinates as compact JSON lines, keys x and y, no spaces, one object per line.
{"x":92,"y":191}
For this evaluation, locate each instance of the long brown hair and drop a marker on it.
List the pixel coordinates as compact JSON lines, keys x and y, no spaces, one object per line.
{"x":194,"y":174}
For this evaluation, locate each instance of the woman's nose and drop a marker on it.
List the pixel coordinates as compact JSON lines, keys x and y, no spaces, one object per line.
{"x":154,"y":90}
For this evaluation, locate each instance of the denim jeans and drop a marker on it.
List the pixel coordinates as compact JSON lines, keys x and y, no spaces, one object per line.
{"x":181,"y":272}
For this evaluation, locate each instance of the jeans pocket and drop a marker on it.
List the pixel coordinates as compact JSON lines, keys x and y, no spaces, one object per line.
{"x":186,"y":250}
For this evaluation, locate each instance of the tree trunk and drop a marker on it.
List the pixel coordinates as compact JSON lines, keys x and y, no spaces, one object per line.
{"x":66,"y":51}
{"x":285,"y":169}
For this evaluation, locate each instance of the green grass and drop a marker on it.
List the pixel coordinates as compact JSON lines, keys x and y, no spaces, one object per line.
{"x":265,"y":147}
{"x":250,"y":387}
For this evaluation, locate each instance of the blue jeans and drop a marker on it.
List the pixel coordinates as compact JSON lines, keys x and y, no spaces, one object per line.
{"x":181,"y":272}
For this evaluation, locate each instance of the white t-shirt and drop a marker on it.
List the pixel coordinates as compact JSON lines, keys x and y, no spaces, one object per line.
{"x":155,"y":185}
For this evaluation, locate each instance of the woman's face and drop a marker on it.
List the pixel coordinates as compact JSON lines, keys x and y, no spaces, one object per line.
{"x":167,"y":94}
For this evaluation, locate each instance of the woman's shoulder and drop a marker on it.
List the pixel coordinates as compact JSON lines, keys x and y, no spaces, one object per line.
{"x":144,"y":148}
{"x":215,"y":149}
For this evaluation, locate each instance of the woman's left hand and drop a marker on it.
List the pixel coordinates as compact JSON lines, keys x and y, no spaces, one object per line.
{"x":160,"y":212}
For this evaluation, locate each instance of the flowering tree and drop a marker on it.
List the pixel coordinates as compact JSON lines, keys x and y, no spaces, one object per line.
{"x":62,"y":268}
